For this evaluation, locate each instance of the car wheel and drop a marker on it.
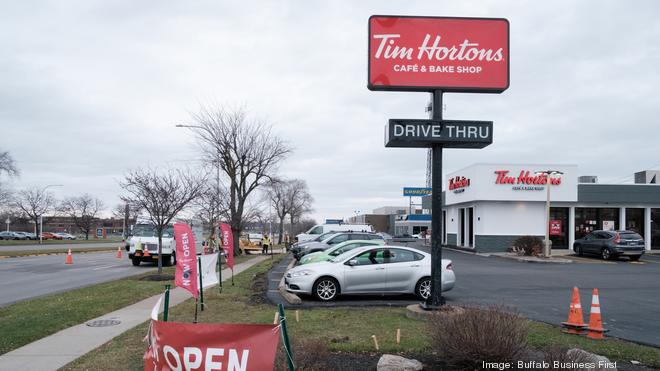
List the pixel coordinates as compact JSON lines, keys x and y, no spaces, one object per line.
{"x":578,"y":250}
{"x":605,"y":254}
{"x":136,"y":261}
{"x":326,"y":289}
{"x":423,"y":288}
{"x":635,"y":258}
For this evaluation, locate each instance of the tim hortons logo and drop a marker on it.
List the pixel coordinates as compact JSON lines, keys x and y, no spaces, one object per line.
{"x":524,"y":178}
{"x":466,"y":51}
{"x":458,"y":184}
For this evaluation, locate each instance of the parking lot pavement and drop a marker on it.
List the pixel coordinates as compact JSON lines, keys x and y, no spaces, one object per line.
{"x":33,"y":276}
{"x":628,"y":291}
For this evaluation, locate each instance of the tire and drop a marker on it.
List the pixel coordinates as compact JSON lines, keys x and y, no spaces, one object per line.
{"x":423,"y":288}
{"x":578,"y":250}
{"x":605,"y":254}
{"x":634,"y":258}
{"x":325,"y":288}
{"x":135,"y":261}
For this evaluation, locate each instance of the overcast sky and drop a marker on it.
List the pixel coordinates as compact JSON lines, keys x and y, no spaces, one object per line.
{"x":90,"y":89}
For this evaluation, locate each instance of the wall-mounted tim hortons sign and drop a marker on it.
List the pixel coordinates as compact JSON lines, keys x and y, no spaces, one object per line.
{"x":449,"y":133}
{"x":438,"y":53}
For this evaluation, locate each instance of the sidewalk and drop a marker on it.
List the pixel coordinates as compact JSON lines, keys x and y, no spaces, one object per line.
{"x":57,"y":350}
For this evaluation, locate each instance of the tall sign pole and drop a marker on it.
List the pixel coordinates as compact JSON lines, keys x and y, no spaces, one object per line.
{"x":435,"y":299}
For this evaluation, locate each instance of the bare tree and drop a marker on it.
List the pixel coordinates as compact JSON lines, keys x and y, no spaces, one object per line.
{"x":300,"y":201}
{"x":277,"y":197}
{"x":84,"y":210}
{"x":247,"y":152}
{"x":34,"y":203}
{"x":210,"y":206}
{"x":7,"y":166}
{"x":162,"y":196}
{"x":127,"y":213}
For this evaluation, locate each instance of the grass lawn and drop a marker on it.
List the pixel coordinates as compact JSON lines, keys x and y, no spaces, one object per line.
{"x":24,"y":322}
{"x":342,"y":329}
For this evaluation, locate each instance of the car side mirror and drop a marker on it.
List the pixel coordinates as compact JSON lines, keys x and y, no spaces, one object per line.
{"x":352,"y":262}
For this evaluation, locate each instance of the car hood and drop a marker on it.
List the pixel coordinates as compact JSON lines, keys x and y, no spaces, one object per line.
{"x":310,"y":266}
{"x":314,"y":245}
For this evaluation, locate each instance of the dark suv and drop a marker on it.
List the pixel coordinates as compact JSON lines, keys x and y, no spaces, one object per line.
{"x":611,"y":244}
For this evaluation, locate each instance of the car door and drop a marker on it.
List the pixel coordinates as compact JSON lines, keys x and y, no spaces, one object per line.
{"x":402,"y":268}
{"x":588,"y":243}
{"x":367,"y":274}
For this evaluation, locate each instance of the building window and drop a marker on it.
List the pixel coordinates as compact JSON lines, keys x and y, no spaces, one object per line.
{"x":635,"y":220}
{"x":655,"y":229}
{"x":559,"y":217}
{"x":589,"y":219}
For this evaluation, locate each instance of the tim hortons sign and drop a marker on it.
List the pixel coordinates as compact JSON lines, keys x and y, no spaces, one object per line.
{"x":438,"y":53}
{"x":458,"y":184}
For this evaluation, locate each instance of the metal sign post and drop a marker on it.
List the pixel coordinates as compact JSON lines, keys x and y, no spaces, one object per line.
{"x":436,"y":300}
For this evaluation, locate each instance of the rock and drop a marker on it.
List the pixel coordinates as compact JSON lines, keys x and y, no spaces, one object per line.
{"x":389,"y":362}
{"x":601,"y":363}
{"x":636,"y":363}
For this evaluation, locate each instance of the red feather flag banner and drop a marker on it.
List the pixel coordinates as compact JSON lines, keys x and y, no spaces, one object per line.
{"x":228,"y":244}
{"x":186,"y":259}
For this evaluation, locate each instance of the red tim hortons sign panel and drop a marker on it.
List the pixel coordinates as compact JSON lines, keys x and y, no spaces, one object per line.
{"x":438,"y":53}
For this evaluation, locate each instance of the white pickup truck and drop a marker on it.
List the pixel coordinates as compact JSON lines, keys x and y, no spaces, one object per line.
{"x":145,"y":237}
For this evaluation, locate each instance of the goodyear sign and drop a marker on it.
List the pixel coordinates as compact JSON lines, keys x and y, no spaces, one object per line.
{"x":416,"y":191}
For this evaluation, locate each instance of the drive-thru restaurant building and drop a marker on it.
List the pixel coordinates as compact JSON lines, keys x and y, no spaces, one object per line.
{"x":487,"y":206}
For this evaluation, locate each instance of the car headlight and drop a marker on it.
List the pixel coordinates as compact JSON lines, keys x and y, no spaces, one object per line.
{"x":302,"y":273}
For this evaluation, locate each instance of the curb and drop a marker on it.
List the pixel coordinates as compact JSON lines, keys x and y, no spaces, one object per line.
{"x":290,"y":298}
{"x":537,"y":261}
{"x":464,"y":251}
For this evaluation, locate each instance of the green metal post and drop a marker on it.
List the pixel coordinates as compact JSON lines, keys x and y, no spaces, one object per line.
{"x":220,"y":269}
{"x":201,"y":286}
{"x":285,"y":339}
{"x":166,"y":306}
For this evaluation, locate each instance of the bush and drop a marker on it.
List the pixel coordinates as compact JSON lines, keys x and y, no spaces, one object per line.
{"x":562,"y":357}
{"x":478,"y":335}
{"x":308,"y":354}
{"x":527,"y":245}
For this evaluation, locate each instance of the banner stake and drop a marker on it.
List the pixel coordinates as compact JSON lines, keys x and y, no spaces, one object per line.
{"x":219,"y":269}
{"x":201,"y":285}
{"x":195,"y":317}
{"x":166,"y":309}
{"x":285,"y":338}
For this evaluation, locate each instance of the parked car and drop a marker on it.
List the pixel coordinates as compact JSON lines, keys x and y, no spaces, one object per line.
{"x":50,"y":236}
{"x":298,"y":245}
{"x":611,"y":244}
{"x":65,"y":236}
{"x":28,"y":235}
{"x":334,"y":239}
{"x":8,"y":235}
{"x":340,"y":227}
{"x":369,"y":270}
{"x":337,"y":250}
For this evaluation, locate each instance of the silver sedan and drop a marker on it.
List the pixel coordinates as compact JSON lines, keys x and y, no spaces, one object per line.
{"x":369,"y":270}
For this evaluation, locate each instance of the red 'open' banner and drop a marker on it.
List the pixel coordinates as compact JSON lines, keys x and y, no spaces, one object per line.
{"x":186,"y":259}
{"x":228,"y":244}
{"x":200,"y":346}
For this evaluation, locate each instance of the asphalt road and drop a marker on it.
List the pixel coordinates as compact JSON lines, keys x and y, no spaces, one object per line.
{"x":60,"y":246}
{"x":33,"y":276}
{"x":628,"y":292}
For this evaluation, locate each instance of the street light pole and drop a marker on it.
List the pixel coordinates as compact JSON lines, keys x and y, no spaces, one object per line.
{"x":547,"y":252}
{"x":41,"y":217}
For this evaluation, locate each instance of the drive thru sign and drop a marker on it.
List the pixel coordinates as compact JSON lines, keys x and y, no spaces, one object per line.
{"x":438,"y":54}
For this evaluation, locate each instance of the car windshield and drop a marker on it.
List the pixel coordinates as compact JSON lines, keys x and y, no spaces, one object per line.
{"x":324,"y":236}
{"x":148,"y":230}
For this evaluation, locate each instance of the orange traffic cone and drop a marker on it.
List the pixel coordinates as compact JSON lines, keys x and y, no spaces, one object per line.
{"x":575,"y":324}
{"x":146,"y":251}
{"x":69,"y":258}
{"x":119,"y":255}
{"x":595,"y":322}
